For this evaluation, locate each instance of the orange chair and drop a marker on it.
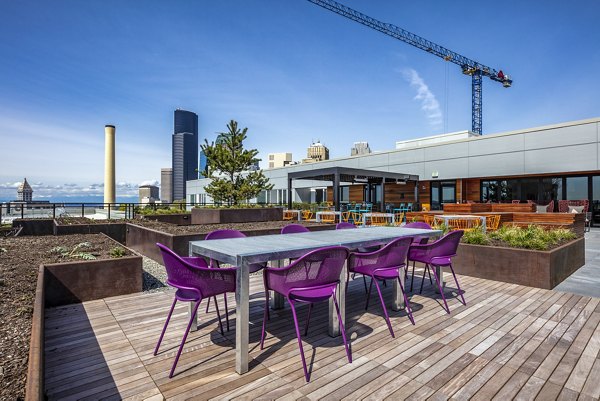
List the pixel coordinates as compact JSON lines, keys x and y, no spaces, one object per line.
{"x":288,"y":215}
{"x":398,"y":218}
{"x":492,"y":222}
{"x":345,"y":216}
{"x":327,"y":217}
{"x":307,"y":215}
{"x":463,"y":224}
{"x":357,"y":218}
{"x":429,"y":218}
{"x":379,"y":219}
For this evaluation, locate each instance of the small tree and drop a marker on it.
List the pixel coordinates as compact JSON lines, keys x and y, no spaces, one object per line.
{"x":228,"y":166}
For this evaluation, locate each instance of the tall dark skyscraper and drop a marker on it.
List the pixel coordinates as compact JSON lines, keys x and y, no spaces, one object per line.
{"x":185,"y":151}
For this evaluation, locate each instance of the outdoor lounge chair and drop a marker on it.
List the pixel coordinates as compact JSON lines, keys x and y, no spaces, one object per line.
{"x":194,"y":281}
{"x":312,"y":278}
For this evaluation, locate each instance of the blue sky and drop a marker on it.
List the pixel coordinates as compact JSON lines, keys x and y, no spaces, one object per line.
{"x":288,"y":70}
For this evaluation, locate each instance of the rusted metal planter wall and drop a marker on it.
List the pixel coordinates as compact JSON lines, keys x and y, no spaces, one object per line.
{"x":115,"y":231}
{"x":180,"y":219}
{"x":35,"y":226}
{"x":215,"y":216}
{"x":541,"y":269}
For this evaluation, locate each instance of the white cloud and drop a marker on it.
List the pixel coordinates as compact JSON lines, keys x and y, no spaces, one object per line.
{"x":429,"y":103}
{"x":149,"y":182}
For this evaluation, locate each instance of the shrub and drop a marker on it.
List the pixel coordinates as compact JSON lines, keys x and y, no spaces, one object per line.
{"x":117,"y":252}
{"x":75,"y":253}
{"x":476,"y":237}
{"x":532,"y":237}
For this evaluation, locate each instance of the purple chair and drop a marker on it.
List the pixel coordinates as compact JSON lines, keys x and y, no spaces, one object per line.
{"x":311,"y":278}
{"x":294,"y":229}
{"x":383,"y":264}
{"x":194,"y":281}
{"x":344,"y":225}
{"x":418,"y":224}
{"x":438,"y":253}
{"x":417,"y":240}
{"x":253,"y":268}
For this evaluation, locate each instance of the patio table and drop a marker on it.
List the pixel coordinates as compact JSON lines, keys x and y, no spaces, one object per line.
{"x":259,"y":249}
{"x":298,"y":213}
{"x":391,"y":216}
{"x":337,"y":215}
{"x":446,"y":217}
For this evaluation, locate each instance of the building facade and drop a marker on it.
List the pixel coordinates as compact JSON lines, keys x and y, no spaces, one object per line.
{"x":316,"y":152}
{"x":541,"y":164}
{"x":166,"y":185}
{"x":24,"y":192}
{"x":184,"y":151}
{"x":148,"y":193}
{"x":360,"y":148}
{"x":279,"y":159}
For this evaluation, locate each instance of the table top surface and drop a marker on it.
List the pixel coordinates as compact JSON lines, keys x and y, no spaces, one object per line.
{"x":274,"y":247}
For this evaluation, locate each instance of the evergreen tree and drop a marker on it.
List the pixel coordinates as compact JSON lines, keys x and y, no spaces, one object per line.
{"x":228,"y":166}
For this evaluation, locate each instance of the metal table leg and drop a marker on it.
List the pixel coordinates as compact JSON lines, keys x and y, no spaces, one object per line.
{"x":242,"y":318}
{"x":398,"y":303}
{"x":440,"y":273}
{"x":334,"y":325}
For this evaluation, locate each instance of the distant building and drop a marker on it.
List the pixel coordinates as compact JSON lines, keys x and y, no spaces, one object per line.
{"x":166,"y":185}
{"x":279,"y":159}
{"x":150,"y":192}
{"x":24,"y":192}
{"x":316,"y":152}
{"x":203,"y":164}
{"x":185,"y":151}
{"x":360,"y":148}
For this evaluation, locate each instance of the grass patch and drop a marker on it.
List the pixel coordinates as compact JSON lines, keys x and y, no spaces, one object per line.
{"x":531,"y":237}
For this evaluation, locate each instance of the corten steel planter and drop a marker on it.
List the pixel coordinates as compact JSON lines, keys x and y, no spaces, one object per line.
{"x":143,"y":240}
{"x":73,"y":282}
{"x":541,"y":269}
{"x":35,"y":226}
{"x":180,"y":219}
{"x":115,"y":231}
{"x":250,"y":215}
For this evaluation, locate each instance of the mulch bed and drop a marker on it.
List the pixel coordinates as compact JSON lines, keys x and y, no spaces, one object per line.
{"x":206,"y":228}
{"x":20,"y":259}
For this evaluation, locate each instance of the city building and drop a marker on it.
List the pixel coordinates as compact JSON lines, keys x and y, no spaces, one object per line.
{"x":203,"y":164}
{"x":24,"y":192}
{"x":316,"y":152}
{"x":542,"y":164}
{"x":185,"y":151}
{"x":279,"y":159}
{"x":148,"y":193}
{"x":166,"y":185}
{"x":360,"y":148}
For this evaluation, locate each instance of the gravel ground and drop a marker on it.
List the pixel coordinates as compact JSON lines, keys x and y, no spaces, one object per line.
{"x":155,"y":276}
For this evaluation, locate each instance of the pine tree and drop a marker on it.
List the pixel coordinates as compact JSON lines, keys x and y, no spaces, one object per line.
{"x":228,"y":167}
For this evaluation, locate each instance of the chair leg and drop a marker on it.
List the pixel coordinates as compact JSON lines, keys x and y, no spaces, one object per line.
{"x":408,"y":309}
{"x":457,"y":285}
{"x":308,"y":318}
{"x":299,"y":339}
{"x":439,"y":284}
{"x":165,"y":326}
{"x":385,"y":314}
{"x":429,"y":274}
{"x":426,"y":269}
{"x":226,"y":312}
{"x":369,"y":293}
{"x":207,"y":305}
{"x":219,"y":317}
{"x":187,"y":331}
{"x":412,"y":277}
{"x":365,"y":282}
{"x":337,"y":308}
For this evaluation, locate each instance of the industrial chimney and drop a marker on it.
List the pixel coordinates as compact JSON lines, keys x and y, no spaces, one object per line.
{"x":109,"y":164}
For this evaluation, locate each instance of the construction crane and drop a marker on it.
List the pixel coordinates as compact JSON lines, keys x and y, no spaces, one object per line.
{"x":469,"y":67}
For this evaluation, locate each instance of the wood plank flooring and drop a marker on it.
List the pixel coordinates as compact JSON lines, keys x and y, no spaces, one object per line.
{"x":509,"y":342}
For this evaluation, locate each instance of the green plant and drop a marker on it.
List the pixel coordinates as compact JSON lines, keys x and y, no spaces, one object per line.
{"x":531,"y":237}
{"x":475,"y":237}
{"x":75,"y":253}
{"x":228,"y":167}
{"x":444,"y":228}
{"x":117,"y":252}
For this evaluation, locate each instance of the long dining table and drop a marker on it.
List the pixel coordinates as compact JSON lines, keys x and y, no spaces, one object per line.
{"x":242,"y":252}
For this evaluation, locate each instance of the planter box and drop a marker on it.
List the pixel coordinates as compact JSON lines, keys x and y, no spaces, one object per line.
{"x":143,"y":240}
{"x":541,"y":269}
{"x":115,"y":231}
{"x":215,"y":216}
{"x":451,"y":208}
{"x":180,"y":219}
{"x":74,"y":282}
{"x":514,"y":207}
{"x":35,"y":226}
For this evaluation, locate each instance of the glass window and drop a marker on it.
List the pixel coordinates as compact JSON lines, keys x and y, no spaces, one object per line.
{"x":344,"y":194}
{"x":577,"y":188}
{"x":551,"y":189}
{"x":529,"y":189}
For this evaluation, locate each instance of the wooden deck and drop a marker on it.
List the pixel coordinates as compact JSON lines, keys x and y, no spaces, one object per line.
{"x":509,"y":342}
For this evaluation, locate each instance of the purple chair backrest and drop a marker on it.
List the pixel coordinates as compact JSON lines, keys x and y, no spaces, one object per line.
{"x":184,"y":275}
{"x":319,"y":267}
{"x":294,"y":228}
{"x":447,"y":245}
{"x":223,"y":234}
{"x":393,"y":254}
{"x":344,"y":225}
{"x":418,"y":224}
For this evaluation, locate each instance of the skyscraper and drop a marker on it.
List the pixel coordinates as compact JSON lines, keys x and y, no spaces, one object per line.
{"x":185,"y":151}
{"x":166,"y":185}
